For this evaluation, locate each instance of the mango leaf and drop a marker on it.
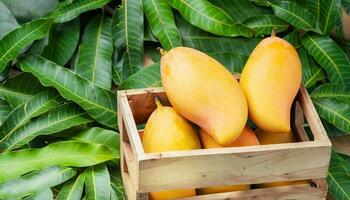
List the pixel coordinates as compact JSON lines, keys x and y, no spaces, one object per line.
{"x":96,"y":135}
{"x":35,"y":182}
{"x":233,"y":62}
{"x":117,"y":185}
{"x":60,"y":118}
{"x":240,"y":10}
{"x":265,"y":24}
{"x":72,"y":10}
{"x":330,"y":56}
{"x":294,"y":14}
{"x":97,"y":183}
{"x":67,"y":153}
{"x":7,"y":22}
{"x":146,"y":77}
{"x":73,"y":189}
{"x":338,"y":178}
{"x":27,"y":10}
{"x":99,"y":103}
{"x":293,"y":39}
{"x":210,"y":18}
{"x":95,"y":52}
{"x":41,"y":195}
{"x":38,"y":46}
{"x":5,"y":109}
{"x":38,"y":104}
{"x":16,"y":90}
{"x":338,"y":92}
{"x":334,"y":112}
{"x":326,"y":12}
{"x":161,"y":20}
{"x":12,"y":43}
{"x":209,"y":43}
{"x":63,"y":40}
{"x":312,"y":73}
{"x":148,"y":35}
{"x":127,"y":32}
{"x":332,"y":131}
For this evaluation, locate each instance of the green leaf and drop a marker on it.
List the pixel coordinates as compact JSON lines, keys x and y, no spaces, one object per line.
{"x":38,"y":104}
{"x":330,"y":56}
{"x":41,"y":195}
{"x":233,"y":62}
{"x":73,"y":189}
{"x":96,"y":135}
{"x":99,"y":103}
{"x":127,"y":32}
{"x":293,"y":39}
{"x":334,"y":111}
{"x":97,"y":183}
{"x":146,"y":77}
{"x":12,"y":43}
{"x":338,"y":178}
{"x":16,"y":90}
{"x":71,"y":11}
{"x":60,"y":118}
{"x":240,"y":10}
{"x":295,"y":14}
{"x":95,"y":52}
{"x":5,"y":109}
{"x":161,"y":20}
{"x":209,"y":43}
{"x":27,"y":10}
{"x":117,"y":185}
{"x":35,"y":182}
{"x":68,"y":153}
{"x":38,"y":46}
{"x":338,"y":92}
{"x":326,"y":12}
{"x":312,"y":73}
{"x":332,"y":131}
{"x":63,"y":40}
{"x":210,"y":18}
{"x":265,"y":24}
{"x":7,"y":22}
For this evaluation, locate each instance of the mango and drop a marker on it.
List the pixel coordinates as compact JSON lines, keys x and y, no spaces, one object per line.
{"x":270,"y":80}
{"x":277,"y":138}
{"x":246,"y":138}
{"x":202,"y":90}
{"x":167,"y":130}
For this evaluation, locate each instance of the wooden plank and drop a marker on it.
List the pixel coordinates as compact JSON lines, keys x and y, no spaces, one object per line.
{"x":298,"y":124}
{"x":341,"y":144}
{"x":131,"y":164}
{"x":130,"y":125}
{"x":233,"y":166}
{"x":295,"y":192}
{"x":312,"y":117}
{"x":130,"y":190}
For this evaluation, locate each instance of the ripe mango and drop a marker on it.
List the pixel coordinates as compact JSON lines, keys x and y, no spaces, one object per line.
{"x":247,"y":138}
{"x":270,"y":80}
{"x":167,"y":130}
{"x":202,"y":90}
{"x":277,"y":138}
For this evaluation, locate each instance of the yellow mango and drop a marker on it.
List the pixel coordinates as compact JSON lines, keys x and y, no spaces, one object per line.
{"x":277,"y":138}
{"x":270,"y":80}
{"x":167,"y":130}
{"x":246,"y":138}
{"x":205,"y":92}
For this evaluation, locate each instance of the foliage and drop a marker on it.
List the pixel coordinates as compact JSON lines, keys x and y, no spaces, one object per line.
{"x":62,"y":60}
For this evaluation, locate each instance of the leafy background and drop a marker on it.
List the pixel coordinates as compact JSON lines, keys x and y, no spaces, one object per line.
{"x":61,"y":62}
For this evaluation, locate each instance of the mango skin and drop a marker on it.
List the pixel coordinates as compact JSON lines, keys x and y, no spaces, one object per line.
{"x":271,"y":79}
{"x":246,"y":138}
{"x":277,"y":138}
{"x":167,"y":130}
{"x":202,"y":90}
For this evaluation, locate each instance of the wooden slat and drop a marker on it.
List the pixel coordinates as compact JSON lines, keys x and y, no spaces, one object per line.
{"x":131,"y":162}
{"x":295,"y":192}
{"x":233,"y":166}
{"x":299,"y":123}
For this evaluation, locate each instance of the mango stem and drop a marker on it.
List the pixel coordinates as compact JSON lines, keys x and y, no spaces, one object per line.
{"x":159,"y":105}
{"x":273,"y":32}
{"x":161,"y":51}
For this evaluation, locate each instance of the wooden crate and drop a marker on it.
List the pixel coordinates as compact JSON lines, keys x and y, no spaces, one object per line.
{"x":146,"y":172}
